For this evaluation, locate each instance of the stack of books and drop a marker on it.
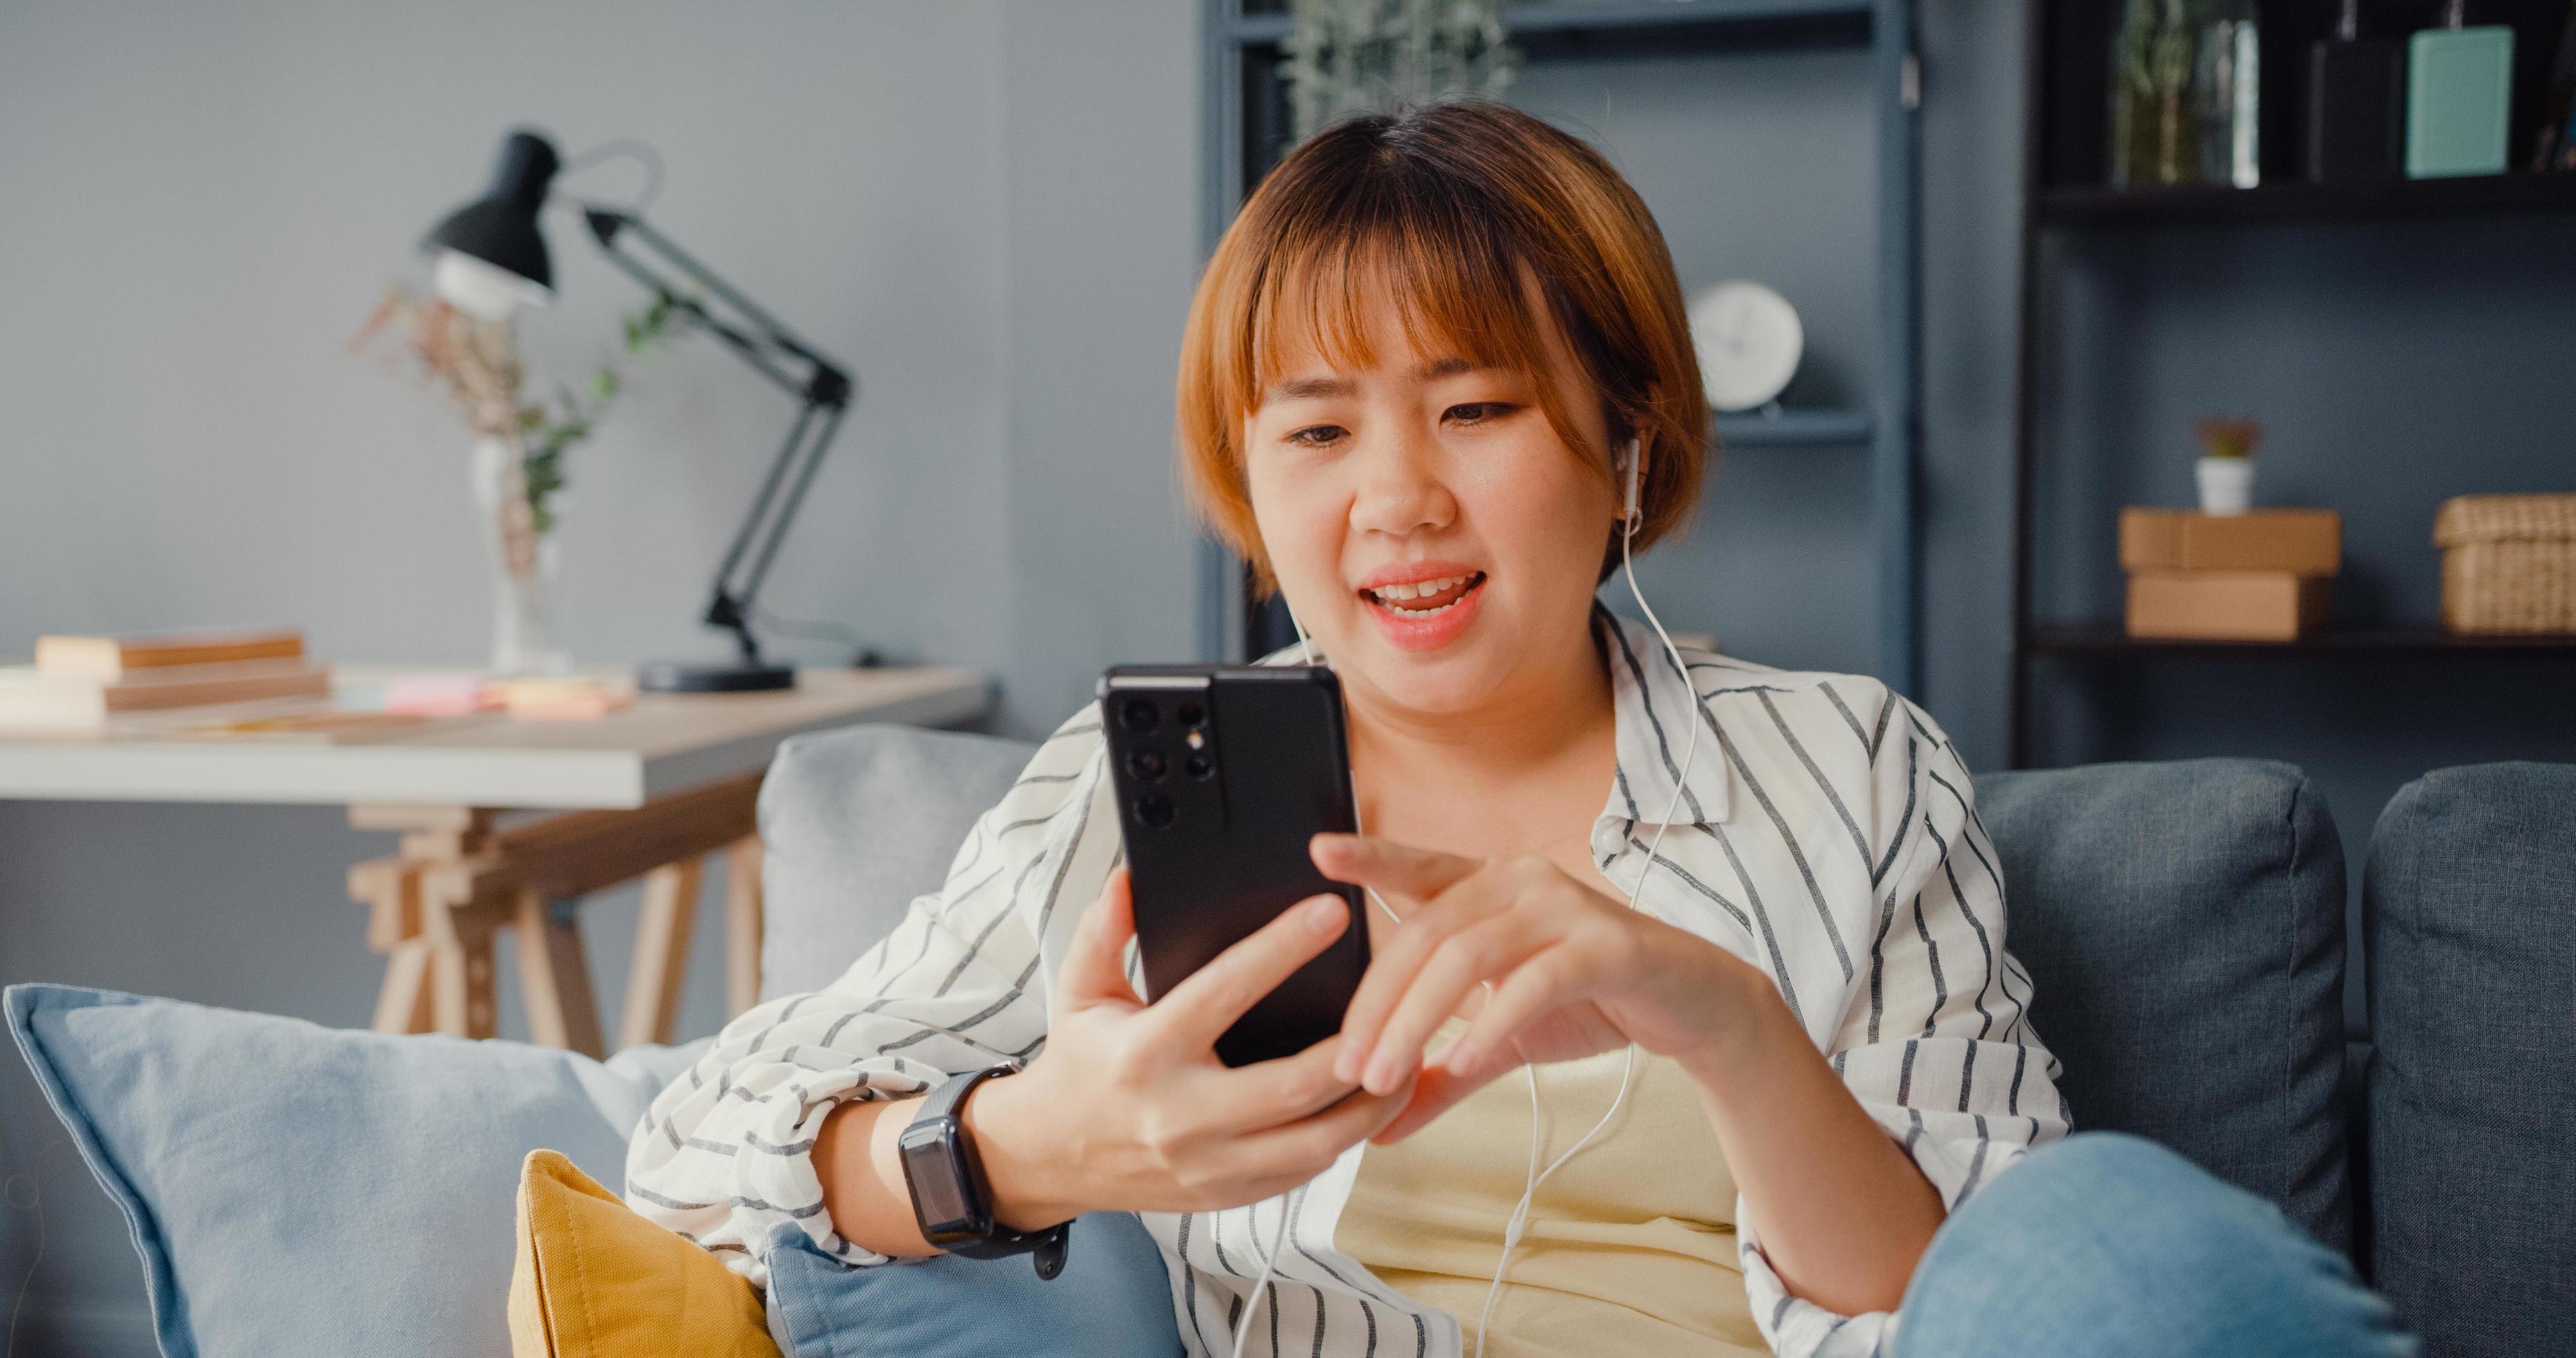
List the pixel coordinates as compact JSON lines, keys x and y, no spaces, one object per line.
{"x":2257,"y":576}
{"x":82,"y":681}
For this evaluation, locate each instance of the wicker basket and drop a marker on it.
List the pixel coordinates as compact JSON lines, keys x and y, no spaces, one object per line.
{"x":2508,"y":563}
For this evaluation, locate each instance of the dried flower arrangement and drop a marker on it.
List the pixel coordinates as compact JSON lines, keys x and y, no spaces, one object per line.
{"x":2229,"y":436}
{"x":477,"y":362}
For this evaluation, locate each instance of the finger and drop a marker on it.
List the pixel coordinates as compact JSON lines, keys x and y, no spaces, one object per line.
{"x":1095,"y":963}
{"x":1436,"y":1091}
{"x":1545,"y":983}
{"x":1486,"y":950}
{"x":1201,"y":1008}
{"x":1302,"y":1149}
{"x":1276,"y":1092}
{"x":1392,"y":966}
{"x":1364,"y":860}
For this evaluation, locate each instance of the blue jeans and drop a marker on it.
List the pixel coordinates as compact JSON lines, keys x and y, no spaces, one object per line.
{"x":2102,"y":1246}
{"x":1113,"y":1300}
{"x":2110,"y":1246}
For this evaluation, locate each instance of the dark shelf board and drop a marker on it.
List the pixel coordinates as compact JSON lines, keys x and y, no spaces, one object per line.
{"x":1568,"y":22}
{"x":2107,"y":640}
{"x":2201,"y":204}
{"x":1795,"y":428}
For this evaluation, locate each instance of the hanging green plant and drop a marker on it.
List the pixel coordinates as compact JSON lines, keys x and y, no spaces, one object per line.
{"x":1358,"y":56}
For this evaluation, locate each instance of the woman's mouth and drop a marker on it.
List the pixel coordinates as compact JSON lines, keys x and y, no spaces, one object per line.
{"x":1425,"y":598}
{"x":1425,"y":615}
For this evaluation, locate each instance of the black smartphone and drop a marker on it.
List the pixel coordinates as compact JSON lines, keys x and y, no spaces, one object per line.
{"x":1223,"y":773}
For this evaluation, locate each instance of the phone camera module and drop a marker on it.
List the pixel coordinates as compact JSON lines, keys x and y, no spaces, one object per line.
{"x":1199,"y":766}
{"x":1140,"y":715}
{"x":1191,"y":716}
{"x":1154,"y":811}
{"x":1147,"y":765}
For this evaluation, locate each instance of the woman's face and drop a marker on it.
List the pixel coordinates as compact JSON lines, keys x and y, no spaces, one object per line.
{"x":1424,"y":520}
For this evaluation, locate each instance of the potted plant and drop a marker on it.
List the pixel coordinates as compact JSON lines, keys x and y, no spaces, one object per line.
{"x":2226,"y":468}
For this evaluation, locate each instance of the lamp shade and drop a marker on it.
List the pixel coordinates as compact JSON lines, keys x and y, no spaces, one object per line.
{"x":491,"y":256}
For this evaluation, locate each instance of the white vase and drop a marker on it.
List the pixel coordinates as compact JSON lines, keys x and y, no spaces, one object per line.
{"x":2226,"y":484}
{"x":523,"y":563}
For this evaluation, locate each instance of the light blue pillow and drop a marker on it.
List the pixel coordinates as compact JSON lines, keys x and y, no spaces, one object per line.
{"x":295,"y":1189}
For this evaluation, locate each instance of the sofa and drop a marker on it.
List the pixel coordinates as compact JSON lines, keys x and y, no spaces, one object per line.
{"x":2183,"y":923}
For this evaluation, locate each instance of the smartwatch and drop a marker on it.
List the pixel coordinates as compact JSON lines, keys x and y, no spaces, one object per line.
{"x":951,"y":1199}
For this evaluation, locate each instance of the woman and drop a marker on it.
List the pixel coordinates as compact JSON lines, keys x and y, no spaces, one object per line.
{"x":1410,"y":372}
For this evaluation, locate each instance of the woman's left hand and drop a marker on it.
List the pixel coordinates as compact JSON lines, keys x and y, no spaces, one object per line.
{"x":1574,"y":973}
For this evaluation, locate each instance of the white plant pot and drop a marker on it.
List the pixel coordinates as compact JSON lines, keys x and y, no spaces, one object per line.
{"x":2226,"y":484}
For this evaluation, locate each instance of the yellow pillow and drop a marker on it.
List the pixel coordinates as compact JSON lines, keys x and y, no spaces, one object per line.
{"x":594,"y":1280}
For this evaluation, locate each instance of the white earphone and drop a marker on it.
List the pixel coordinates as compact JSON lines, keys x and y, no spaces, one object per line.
{"x":1627,"y":463}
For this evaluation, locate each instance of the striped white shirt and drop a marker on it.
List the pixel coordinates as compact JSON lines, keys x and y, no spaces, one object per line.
{"x":1826,"y":835}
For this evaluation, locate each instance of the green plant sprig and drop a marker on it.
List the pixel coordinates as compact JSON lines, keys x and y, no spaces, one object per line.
{"x":548,"y":433}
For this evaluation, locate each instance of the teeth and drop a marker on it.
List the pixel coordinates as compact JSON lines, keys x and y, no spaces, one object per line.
{"x":1422,"y":589}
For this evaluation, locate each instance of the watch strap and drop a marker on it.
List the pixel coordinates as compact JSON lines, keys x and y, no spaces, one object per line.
{"x":1047,"y":1247}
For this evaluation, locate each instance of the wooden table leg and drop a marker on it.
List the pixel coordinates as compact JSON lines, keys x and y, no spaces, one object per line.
{"x":661,"y":960}
{"x":458,"y":880}
{"x":554,"y":974}
{"x":742,"y":924}
{"x":462,"y":974}
{"x":405,"y":1005}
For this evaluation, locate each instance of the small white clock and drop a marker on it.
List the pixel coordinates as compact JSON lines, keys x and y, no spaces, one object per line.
{"x":1749,"y":343}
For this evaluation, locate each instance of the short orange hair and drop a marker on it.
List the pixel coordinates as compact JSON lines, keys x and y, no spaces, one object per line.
{"x":1455,"y":204}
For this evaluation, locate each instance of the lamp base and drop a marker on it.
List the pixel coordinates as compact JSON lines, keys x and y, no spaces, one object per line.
{"x":734,"y":678}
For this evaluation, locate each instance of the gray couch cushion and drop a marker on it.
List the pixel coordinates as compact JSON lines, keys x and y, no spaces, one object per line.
{"x":2470,"y":916}
{"x":2183,"y":925}
{"x":857,"y":822}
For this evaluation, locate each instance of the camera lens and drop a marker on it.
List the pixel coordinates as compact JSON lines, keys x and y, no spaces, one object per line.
{"x":1147,"y":765}
{"x":1139,"y":714}
{"x":1154,"y":811}
{"x":1191,"y":716}
{"x":1199,"y":766}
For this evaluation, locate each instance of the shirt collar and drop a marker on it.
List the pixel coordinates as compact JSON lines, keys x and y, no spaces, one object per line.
{"x":1656,"y":708}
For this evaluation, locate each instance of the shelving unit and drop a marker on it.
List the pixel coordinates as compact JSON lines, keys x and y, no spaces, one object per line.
{"x":2377,"y":643}
{"x":2065,"y":201}
{"x":1247,"y":131}
{"x":2302,"y":202}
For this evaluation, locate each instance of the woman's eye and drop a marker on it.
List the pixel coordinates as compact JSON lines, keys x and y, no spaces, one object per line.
{"x":1477,"y":412}
{"x":1316,"y":435}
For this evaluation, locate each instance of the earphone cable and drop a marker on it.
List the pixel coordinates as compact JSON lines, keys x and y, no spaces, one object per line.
{"x":1519,"y":1220}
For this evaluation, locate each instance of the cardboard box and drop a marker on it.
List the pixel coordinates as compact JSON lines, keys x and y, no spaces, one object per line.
{"x":2296,"y":541}
{"x":2225,"y":605}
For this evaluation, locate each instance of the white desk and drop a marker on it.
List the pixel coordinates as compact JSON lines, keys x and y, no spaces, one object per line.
{"x":648,"y":792}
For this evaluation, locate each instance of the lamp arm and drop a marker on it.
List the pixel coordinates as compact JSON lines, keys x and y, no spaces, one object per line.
{"x":825,"y":390}
{"x":829,"y":383}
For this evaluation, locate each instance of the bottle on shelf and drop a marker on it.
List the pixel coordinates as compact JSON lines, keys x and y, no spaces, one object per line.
{"x":2356,"y":126}
{"x":2459,"y":91}
{"x":2226,"y":87}
{"x":2155,"y":129}
{"x":2556,"y":147}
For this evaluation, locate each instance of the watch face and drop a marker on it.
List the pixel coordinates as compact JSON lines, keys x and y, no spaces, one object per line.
{"x":937,"y":1174}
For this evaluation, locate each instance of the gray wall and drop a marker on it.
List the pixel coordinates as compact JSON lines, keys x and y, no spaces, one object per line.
{"x":987,"y":207}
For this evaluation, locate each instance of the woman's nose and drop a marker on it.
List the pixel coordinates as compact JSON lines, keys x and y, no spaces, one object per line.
{"x":1400,"y":490}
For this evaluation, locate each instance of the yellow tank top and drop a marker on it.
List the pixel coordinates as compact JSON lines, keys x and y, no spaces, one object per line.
{"x":1629,"y":1249}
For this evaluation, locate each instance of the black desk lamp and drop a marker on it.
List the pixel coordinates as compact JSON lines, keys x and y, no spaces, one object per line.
{"x":491,"y":258}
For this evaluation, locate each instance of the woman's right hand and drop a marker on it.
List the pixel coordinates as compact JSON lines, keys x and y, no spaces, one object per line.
{"x":1128,"y":1108}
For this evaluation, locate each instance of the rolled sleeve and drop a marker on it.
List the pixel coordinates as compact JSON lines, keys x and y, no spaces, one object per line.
{"x":725,"y":1154}
{"x":1935,"y":1040}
